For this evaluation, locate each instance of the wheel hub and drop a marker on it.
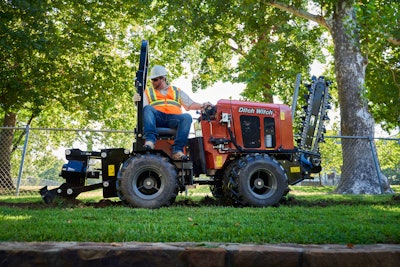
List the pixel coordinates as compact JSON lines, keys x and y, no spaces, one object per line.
{"x":148,"y":183}
{"x":258,"y":183}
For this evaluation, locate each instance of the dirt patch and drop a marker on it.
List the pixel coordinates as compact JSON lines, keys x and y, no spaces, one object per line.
{"x":187,"y":202}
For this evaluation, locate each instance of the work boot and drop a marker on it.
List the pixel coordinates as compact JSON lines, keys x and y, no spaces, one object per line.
{"x":149,"y":145}
{"x":179,"y":156}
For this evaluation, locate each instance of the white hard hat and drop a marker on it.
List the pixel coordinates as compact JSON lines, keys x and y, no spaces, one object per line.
{"x":157,"y":71}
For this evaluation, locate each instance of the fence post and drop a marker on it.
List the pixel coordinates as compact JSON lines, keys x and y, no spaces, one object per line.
{"x":377,"y":167}
{"x":21,"y":166}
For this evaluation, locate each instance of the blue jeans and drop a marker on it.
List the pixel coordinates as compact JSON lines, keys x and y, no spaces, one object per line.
{"x":154,"y":118}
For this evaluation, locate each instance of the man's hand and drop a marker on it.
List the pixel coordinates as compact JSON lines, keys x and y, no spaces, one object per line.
{"x":136,"y":97}
{"x":206,"y":106}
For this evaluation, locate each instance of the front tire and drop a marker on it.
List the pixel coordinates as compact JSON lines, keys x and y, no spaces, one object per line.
{"x":257,"y":180}
{"x":147,"y":181}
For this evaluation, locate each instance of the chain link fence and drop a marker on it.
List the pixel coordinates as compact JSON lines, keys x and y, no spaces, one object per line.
{"x":385,"y":152}
{"x":31,"y":158}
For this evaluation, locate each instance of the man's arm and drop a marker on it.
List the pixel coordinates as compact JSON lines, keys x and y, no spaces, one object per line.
{"x":189,"y":104}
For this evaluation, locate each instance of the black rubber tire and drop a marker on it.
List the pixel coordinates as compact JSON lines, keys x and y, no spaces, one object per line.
{"x":147,"y":181}
{"x":257,"y":180}
{"x":217,"y":189}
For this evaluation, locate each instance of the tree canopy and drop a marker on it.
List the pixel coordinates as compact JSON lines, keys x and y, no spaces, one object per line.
{"x":79,"y":57}
{"x":64,"y":58}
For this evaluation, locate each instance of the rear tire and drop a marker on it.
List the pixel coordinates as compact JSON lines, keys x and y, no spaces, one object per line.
{"x":147,"y":181}
{"x":218,"y":188}
{"x":257,"y":180}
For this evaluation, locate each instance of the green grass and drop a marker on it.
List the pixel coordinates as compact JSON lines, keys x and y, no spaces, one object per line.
{"x":313,"y":215}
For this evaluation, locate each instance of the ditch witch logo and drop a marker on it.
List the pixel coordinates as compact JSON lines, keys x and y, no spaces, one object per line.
{"x":259,"y":111}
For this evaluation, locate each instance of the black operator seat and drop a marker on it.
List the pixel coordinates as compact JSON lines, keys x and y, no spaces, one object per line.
{"x":166,"y":133}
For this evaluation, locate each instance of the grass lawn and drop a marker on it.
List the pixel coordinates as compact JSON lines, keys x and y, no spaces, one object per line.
{"x":312,"y":215}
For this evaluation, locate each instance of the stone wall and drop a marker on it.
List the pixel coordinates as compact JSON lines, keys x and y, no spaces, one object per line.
{"x":194,"y":254}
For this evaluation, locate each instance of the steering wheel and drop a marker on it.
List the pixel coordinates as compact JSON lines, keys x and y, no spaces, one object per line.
{"x":208,"y":112}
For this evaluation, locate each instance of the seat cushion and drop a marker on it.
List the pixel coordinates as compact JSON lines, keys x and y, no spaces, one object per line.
{"x":166,"y":132}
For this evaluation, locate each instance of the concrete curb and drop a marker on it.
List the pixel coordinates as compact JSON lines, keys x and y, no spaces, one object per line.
{"x":194,"y":254}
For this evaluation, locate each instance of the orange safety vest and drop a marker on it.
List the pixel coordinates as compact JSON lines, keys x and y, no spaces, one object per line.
{"x":170,"y":103}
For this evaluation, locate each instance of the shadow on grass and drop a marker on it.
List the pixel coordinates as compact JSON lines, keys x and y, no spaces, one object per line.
{"x":290,"y":201}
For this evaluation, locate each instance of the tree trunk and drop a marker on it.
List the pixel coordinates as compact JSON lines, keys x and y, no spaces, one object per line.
{"x":268,"y":97}
{"x":359,"y":172}
{"x":6,"y":138}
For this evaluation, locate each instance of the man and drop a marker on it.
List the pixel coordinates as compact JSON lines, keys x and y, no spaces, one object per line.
{"x":162,"y":108}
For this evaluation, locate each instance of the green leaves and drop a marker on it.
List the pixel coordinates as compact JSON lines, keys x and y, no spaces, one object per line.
{"x":379,"y":20}
{"x":81,"y":55}
{"x":65,"y":55}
